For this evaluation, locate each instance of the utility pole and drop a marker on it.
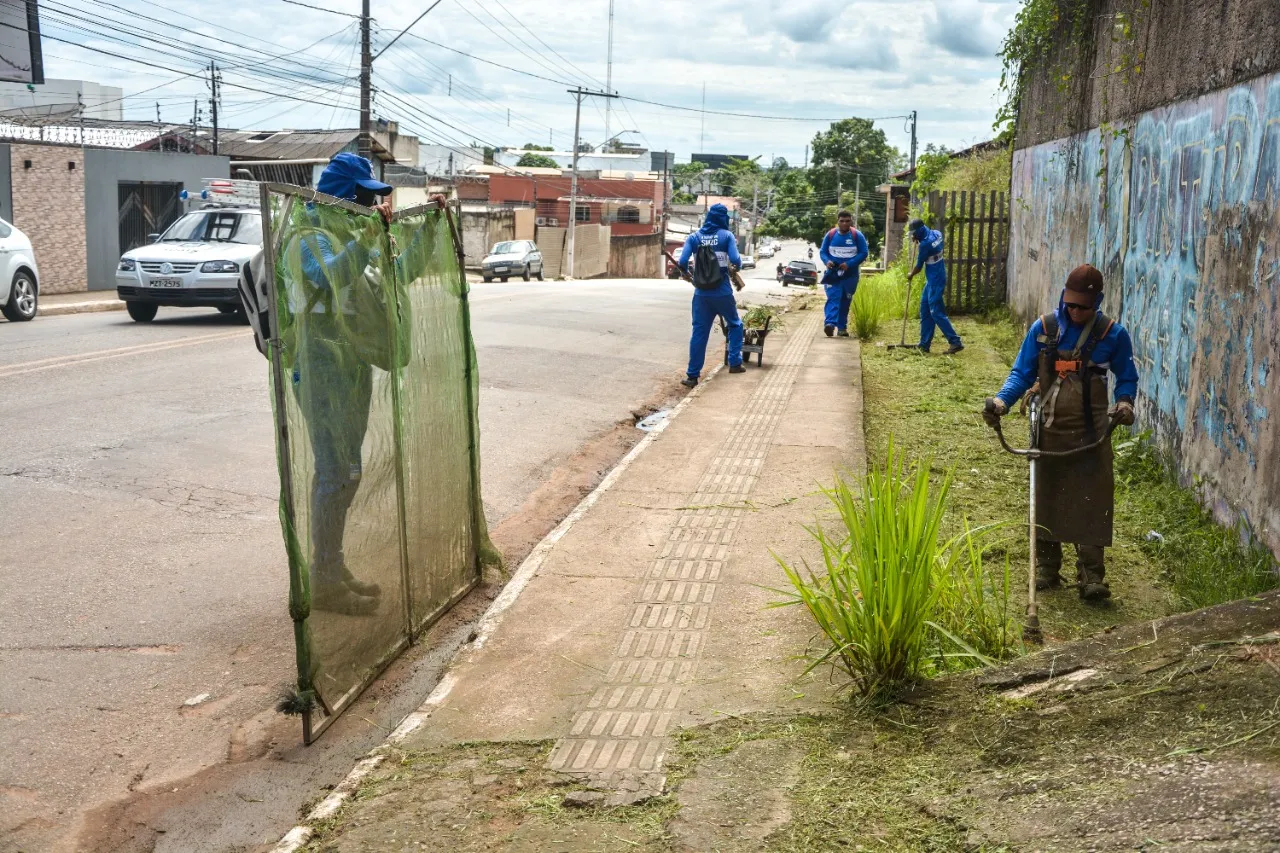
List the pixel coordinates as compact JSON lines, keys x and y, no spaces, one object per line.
{"x":213,"y":102}
{"x":913,"y":139}
{"x":608,"y":74}
{"x":159,"y":129}
{"x":857,"y":200}
{"x":364,"y":145}
{"x":702,"y":132}
{"x":839,"y":186}
{"x":806,"y":157}
{"x":578,"y":94}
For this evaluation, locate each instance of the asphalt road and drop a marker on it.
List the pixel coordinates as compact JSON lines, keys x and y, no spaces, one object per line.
{"x":141,"y":562}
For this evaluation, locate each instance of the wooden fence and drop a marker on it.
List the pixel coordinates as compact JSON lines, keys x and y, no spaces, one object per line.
{"x":975,"y":231}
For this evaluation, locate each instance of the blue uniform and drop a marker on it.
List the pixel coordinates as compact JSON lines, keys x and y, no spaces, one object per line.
{"x":933,"y":313}
{"x":709,"y":304}
{"x":1114,"y":352}
{"x":849,"y":249}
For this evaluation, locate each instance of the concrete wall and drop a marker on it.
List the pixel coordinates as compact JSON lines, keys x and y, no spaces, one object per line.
{"x":49,"y":207}
{"x":1178,"y":206}
{"x":590,"y":251}
{"x":636,"y":256}
{"x":104,"y":169}
{"x":481,"y":229}
{"x":6,"y":185}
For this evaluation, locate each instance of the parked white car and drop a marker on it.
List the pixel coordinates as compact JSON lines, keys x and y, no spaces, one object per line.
{"x":748,"y":262}
{"x":766,"y":251}
{"x":19,"y":275}
{"x":512,"y":257}
{"x":199,"y":261}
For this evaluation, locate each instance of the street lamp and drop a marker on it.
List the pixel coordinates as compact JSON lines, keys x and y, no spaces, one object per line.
{"x":615,"y":136}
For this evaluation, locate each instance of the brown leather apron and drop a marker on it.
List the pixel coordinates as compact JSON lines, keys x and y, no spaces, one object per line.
{"x":1075,"y":500}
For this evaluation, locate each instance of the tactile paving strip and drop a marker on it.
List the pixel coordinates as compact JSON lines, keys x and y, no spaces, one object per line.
{"x":618,"y":738}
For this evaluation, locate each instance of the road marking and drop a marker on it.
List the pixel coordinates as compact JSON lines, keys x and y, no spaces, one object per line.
{"x":101,"y":355}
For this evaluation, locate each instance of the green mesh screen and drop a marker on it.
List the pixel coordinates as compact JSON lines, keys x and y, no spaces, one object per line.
{"x":375,"y":391}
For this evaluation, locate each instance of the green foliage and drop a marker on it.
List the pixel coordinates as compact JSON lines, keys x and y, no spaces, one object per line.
{"x":930,"y":167}
{"x":755,"y":316}
{"x":877,"y":297}
{"x":893,"y":601}
{"x":682,"y":197}
{"x":531,"y":160}
{"x":985,"y":171}
{"x":1040,"y":25}
{"x":688,"y":176}
{"x":1205,"y":563}
{"x":529,"y":146}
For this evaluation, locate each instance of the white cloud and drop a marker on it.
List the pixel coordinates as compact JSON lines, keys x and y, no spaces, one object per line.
{"x":814,"y":58}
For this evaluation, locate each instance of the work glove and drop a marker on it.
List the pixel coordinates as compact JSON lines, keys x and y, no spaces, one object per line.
{"x":993,"y":410}
{"x":1122,"y":413}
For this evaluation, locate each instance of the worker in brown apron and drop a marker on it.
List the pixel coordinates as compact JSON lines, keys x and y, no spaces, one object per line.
{"x":1065,"y":358}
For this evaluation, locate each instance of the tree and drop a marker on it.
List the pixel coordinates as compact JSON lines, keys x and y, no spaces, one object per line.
{"x":531,"y":160}
{"x":688,"y":176}
{"x":930,"y":167}
{"x":529,"y":146}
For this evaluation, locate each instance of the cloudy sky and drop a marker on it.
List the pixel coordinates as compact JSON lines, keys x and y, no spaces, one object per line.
{"x":812,"y":59}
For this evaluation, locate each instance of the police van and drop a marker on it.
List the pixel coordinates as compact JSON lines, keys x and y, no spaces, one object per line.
{"x":200,"y":261}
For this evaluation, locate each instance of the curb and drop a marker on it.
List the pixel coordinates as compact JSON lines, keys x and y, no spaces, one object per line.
{"x":488,"y":622}
{"x":79,"y":308}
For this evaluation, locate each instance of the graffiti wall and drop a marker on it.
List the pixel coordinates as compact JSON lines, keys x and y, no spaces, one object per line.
{"x":1178,"y":208}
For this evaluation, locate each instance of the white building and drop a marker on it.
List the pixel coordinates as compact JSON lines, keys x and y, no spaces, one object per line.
{"x":61,"y":99}
{"x":439,"y":160}
{"x":637,"y":161}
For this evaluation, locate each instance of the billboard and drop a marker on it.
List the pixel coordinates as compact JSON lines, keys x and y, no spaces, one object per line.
{"x":20,"y":57}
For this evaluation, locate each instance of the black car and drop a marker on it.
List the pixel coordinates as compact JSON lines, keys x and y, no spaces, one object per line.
{"x":800,"y":272}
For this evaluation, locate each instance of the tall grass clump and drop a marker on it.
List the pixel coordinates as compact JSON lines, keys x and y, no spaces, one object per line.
{"x":893,"y":600}
{"x":873,"y":303}
{"x":1204,"y":562}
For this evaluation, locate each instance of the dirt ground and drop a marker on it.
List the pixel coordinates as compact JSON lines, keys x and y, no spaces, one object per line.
{"x":1156,"y":736}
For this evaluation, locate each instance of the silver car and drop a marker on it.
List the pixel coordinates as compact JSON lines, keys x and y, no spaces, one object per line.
{"x":512,"y":257}
{"x":19,"y":275}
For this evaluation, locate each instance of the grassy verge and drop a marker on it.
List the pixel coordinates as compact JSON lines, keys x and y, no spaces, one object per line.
{"x":929,"y":406}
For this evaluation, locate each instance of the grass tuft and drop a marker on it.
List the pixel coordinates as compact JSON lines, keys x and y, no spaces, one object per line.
{"x":894,"y":601}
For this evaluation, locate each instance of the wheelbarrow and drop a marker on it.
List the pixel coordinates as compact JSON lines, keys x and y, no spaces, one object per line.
{"x":752,"y":342}
{"x":1033,"y":454}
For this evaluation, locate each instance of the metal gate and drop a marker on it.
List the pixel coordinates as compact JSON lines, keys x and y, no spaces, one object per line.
{"x":146,"y":208}
{"x":975,"y":228}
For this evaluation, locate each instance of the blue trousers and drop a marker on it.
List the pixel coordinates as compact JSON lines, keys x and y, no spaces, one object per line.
{"x":934,"y":314}
{"x":334,"y":391}
{"x":706,"y":307}
{"x":839,"y":298}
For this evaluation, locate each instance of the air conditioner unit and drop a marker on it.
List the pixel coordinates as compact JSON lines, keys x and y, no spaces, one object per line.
{"x":553,"y":221}
{"x":541,"y":220}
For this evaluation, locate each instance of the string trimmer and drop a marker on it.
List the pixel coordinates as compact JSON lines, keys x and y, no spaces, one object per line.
{"x":1033,"y":454}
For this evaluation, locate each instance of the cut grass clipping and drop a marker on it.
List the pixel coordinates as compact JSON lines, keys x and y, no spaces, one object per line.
{"x":895,"y":602}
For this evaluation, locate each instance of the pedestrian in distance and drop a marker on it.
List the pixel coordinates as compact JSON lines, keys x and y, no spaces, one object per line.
{"x":333,"y":386}
{"x":1065,"y":358}
{"x":714,"y":253}
{"x":933,"y":313}
{"x":843,"y":251}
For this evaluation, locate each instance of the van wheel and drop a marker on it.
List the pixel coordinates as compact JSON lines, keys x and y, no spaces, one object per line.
{"x":142,"y":312}
{"x":504,"y":279}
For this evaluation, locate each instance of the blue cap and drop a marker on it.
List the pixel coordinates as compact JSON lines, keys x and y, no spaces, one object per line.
{"x":345,"y":172}
{"x":717,"y":216}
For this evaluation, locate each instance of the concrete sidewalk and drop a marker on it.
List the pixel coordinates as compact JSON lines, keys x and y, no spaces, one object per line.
{"x":54,"y":304}
{"x":650,"y":614}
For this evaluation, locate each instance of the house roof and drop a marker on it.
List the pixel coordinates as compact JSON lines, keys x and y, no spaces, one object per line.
{"x":292,"y":144}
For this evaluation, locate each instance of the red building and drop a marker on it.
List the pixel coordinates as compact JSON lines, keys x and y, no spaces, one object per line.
{"x":627,"y":206}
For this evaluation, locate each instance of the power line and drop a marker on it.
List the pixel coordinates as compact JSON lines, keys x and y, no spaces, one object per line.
{"x":320,"y":8}
{"x":547,"y":46}
{"x":515,"y":46}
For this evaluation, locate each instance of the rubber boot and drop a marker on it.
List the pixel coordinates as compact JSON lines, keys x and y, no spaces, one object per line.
{"x":358,"y":586}
{"x":689,"y":381}
{"x":1090,"y":573}
{"x":340,"y":599}
{"x":1048,"y":564}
